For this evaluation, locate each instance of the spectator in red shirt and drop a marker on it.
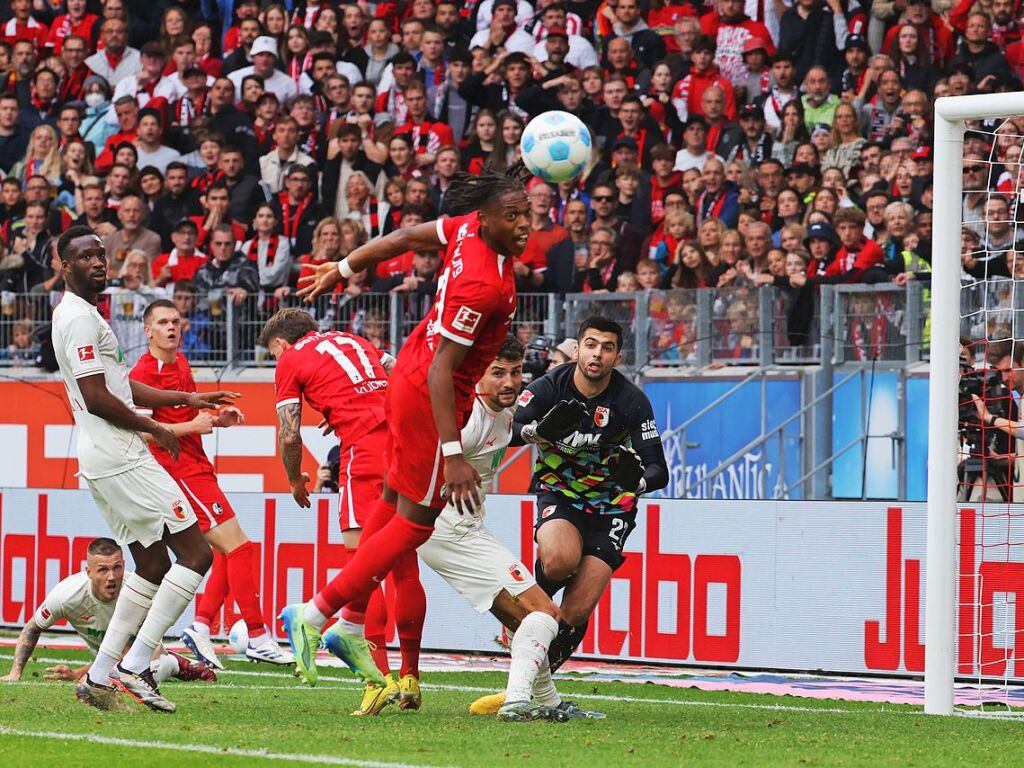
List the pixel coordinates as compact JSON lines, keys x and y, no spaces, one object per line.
{"x":184,"y":260}
{"x":22,"y":26}
{"x":731,"y":30}
{"x":77,"y":21}
{"x":427,"y":136}
{"x":856,"y":254}
{"x":547,"y":240}
{"x":688,"y":91}
{"x":127,"y":110}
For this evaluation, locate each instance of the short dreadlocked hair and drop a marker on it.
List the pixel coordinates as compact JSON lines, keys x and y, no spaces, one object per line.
{"x":471,"y":192}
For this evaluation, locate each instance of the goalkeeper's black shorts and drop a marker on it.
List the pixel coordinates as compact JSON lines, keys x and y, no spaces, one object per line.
{"x":603,"y":535}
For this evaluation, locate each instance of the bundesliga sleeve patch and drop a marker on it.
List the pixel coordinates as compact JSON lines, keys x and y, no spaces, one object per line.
{"x":86,"y":353}
{"x":466,"y":320}
{"x":525,"y":397}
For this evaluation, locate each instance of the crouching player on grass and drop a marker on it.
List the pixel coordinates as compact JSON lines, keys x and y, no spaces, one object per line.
{"x":599,"y":449}
{"x":476,"y":565}
{"x":86,"y":599}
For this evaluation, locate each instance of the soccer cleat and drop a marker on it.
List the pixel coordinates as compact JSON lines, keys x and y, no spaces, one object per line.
{"x":355,"y":652}
{"x":575,"y":712}
{"x":524,"y":711}
{"x":189,"y":670}
{"x":106,"y":698}
{"x":409,"y":696}
{"x":376,"y":697}
{"x":304,"y":638}
{"x":487,"y":705}
{"x":142,"y":687}
{"x":199,"y":645}
{"x":269,"y":651}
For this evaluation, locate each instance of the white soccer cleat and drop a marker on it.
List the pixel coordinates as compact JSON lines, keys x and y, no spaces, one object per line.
{"x":143,"y":688}
{"x":266,"y":649}
{"x":198,"y":642}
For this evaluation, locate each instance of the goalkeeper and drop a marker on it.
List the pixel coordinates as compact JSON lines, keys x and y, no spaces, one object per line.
{"x":599,"y":450}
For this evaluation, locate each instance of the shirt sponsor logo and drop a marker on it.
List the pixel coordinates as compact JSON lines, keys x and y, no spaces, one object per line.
{"x":649,"y":430}
{"x":525,"y":397}
{"x":86,"y":353}
{"x":601,"y":416}
{"x":466,"y":320}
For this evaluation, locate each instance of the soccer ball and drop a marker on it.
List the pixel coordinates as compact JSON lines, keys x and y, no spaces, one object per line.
{"x":238,"y":637}
{"x":556,"y":146}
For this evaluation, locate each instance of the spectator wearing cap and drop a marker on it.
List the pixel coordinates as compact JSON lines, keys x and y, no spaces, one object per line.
{"x":818,"y":100}
{"x":720,"y":198}
{"x":237,"y":58}
{"x":275,"y":163}
{"x":759,"y":78}
{"x":856,"y":254}
{"x":117,"y":60}
{"x":802,"y":178}
{"x":732,"y":29}
{"x":694,"y":153}
{"x":126,"y":110}
{"x":227,"y":269}
{"x":501,"y":34}
{"x":143,"y":82}
{"x":689,"y":90}
{"x":814,"y":35}
{"x":854,"y":81}
{"x":183,"y":261}
{"x":554,"y":48}
{"x":723,"y":134}
{"x":264,"y":64}
{"x":756,"y":144}
{"x":148,"y":141}
{"x":173,"y":86}
{"x":485,"y":14}
{"x":554,"y":19}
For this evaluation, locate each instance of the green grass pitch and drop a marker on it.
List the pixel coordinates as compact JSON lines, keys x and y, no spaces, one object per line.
{"x":256,"y":715}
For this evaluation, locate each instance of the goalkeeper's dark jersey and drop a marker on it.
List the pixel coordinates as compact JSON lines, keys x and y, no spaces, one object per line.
{"x":577,"y":467}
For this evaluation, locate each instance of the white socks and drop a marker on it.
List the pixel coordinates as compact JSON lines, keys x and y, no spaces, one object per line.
{"x":313,"y":616}
{"x":544,"y":688}
{"x":129,"y":612}
{"x":163,"y":667}
{"x":529,"y":654}
{"x":176,"y":591}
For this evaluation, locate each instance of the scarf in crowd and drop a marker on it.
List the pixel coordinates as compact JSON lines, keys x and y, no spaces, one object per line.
{"x":863,"y":333}
{"x":756,"y":156}
{"x":186,"y":109}
{"x":206,"y":180}
{"x":310,"y":144}
{"x":71,"y":84}
{"x":290,"y":221}
{"x":295,"y":69}
{"x":374,"y":217}
{"x":254,"y":249}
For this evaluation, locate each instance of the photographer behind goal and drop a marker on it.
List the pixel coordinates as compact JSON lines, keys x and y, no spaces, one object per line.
{"x":988,"y":416}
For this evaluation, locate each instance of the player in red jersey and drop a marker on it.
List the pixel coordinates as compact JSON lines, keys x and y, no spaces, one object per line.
{"x":234,"y":562}
{"x":344,"y":377}
{"x":436,"y":372}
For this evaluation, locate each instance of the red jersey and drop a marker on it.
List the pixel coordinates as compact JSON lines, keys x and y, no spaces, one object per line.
{"x":182,"y":267}
{"x":192,"y":459}
{"x":340,"y":375}
{"x":474,"y":306}
{"x":63,"y":26}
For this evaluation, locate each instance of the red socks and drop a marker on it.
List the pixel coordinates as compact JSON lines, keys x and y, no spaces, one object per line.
{"x":372,"y":564}
{"x":410,"y":611}
{"x":244,"y":589}
{"x":355,"y":611}
{"x":376,"y":625}
{"x":216,"y":591}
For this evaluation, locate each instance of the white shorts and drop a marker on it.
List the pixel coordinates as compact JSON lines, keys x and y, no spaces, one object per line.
{"x":140,"y":504}
{"x":477,"y":566}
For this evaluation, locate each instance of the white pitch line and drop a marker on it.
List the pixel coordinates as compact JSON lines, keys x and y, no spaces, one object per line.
{"x":205,"y":749}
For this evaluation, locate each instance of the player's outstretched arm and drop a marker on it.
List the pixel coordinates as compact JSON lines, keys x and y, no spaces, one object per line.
{"x":26,"y":644}
{"x":151,"y":397}
{"x":421,"y":237}
{"x":289,"y":441}
{"x":460,"y":478}
{"x":100,"y":402}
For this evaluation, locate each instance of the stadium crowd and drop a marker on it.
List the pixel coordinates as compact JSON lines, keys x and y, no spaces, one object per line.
{"x":223,"y":147}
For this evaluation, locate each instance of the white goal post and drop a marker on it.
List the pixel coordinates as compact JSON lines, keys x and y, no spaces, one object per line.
{"x":951,"y":114}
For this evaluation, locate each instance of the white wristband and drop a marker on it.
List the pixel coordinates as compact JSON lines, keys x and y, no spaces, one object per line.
{"x":454,"y":448}
{"x":344,"y":269}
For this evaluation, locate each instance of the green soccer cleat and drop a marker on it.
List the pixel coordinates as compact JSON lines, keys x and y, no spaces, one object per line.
{"x":304,"y":638}
{"x":355,"y":652}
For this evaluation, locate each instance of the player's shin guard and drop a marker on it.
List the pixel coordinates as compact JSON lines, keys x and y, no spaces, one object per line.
{"x":244,"y":589}
{"x":372,"y":564}
{"x":130,"y":611}
{"x":175,"y":593}
{"x":410,"y":612}
{"x":529,"y":651}
{"x":216,"y":591}
{"x":549,"y":585}
{"x":565,"y":643}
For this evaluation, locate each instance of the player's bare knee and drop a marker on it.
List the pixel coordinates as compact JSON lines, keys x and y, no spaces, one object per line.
{"x":559,"y":565}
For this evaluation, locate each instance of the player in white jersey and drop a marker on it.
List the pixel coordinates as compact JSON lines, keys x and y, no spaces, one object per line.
{"x":86,"y":599}
{"x":479,"y":567}
{"x":143,"y":506}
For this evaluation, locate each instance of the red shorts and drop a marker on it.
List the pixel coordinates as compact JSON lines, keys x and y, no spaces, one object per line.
{"x":207,"y":499}
{"x":361,"y":477}
{"x":415,"y":465}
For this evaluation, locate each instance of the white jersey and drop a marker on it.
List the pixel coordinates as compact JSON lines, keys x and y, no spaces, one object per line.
{"x":72,"y":599}
{"x":84,"y":344}
{"x":485,"y":438}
